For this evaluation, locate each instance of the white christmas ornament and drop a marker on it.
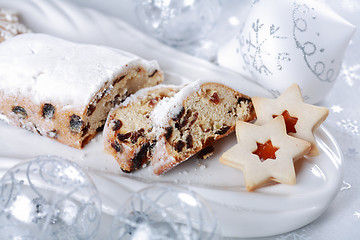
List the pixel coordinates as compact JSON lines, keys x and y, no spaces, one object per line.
{"x":48,"y":198}
{"x":284,"y":42}
{"x":165,"y":212}
{"x":178,"y":22}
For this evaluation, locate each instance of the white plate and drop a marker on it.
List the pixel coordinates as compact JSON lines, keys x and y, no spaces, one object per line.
{"x":268,"y":211}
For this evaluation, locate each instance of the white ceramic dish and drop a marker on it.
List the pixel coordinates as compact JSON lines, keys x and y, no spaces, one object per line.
{"x":268,"y":211}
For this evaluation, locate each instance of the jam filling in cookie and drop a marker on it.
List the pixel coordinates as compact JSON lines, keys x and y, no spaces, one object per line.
{"x":265,"y":151}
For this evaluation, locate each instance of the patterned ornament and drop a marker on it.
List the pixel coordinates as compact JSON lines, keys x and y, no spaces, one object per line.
{"x":48,"y":198}
{"x":284,"y":42}
{"x":178,"y":22}
{"x":165,"y":212}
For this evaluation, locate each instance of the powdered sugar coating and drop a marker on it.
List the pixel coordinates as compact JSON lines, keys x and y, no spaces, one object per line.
{"x":163,"y":158}
{"x":46,"y":68}
{"x":170,"y":107}
{"x":4,"y":118}
{"x":143,"y":92}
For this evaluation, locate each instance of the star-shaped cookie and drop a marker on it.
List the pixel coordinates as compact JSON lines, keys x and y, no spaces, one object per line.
{"x":301,"y":119}
{"x":265,"y":153}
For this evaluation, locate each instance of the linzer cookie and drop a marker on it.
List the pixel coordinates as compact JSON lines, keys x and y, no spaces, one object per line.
{"x":65,"y":90}
{"x":301,"y":119}
{"x":10,"y":25}
{"x":265,"y":153}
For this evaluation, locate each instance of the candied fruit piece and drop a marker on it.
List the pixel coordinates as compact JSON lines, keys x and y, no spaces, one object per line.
{"x":179,"y":146}
{"x":116,"y":124}
{"x":215,"y":98}
{"x":222,"y":130}
{"x":76,"y":123}
{"x":48,"y":111}
{"x":169,"y":131}
{"x":206,"y":152}
{"x":151,"y":75}
{"x":123,"y":137}
{"x":90,"y":110}
{"x":20,"y":111}
{"x":115,"y":145}
{"x":135,"y":135}
{"x":189,"y":141}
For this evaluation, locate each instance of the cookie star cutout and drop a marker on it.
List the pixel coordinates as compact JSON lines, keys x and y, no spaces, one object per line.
{"x":301,"y":119}
{"x":265,"y":153}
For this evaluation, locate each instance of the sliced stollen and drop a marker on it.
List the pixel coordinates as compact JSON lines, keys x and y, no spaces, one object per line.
{"x":128,"y":132}
{"x":65,"y":90}
{"x":10,"y":25}
{"x":193,"y":119}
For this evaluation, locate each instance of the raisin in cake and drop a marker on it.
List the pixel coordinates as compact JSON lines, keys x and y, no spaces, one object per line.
{"x":194,"y":119}
{"x":65,"y":90}
{"x":10,"y":25}
{"x":128,"y":132}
